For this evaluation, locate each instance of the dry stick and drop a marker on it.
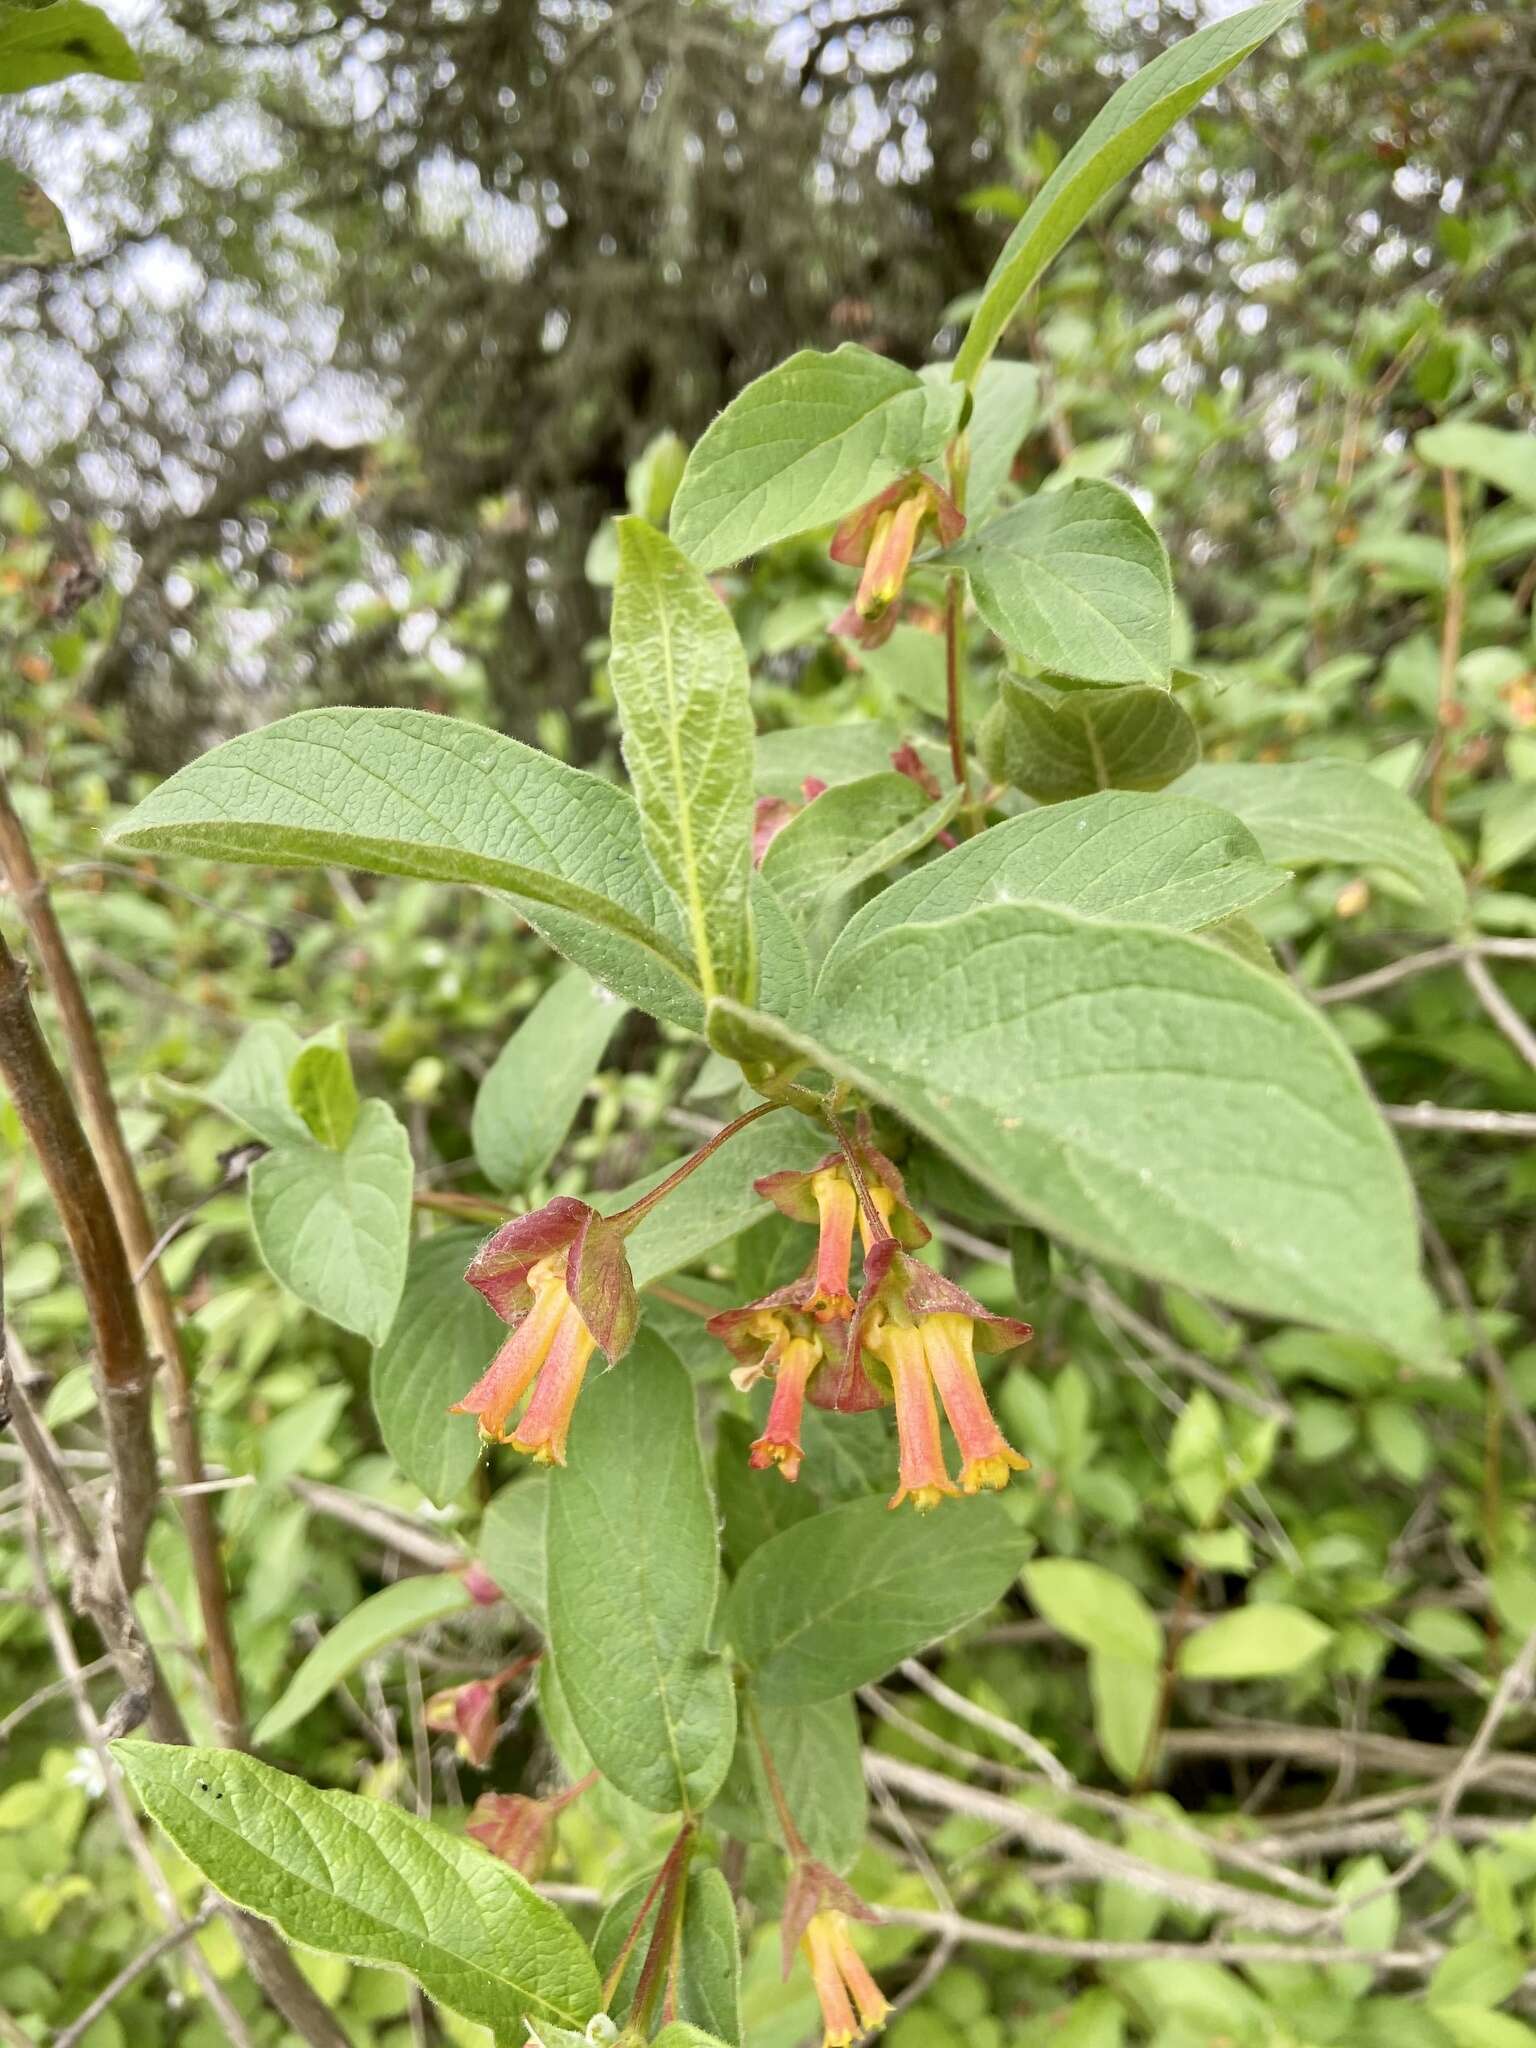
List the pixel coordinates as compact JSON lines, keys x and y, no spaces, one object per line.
{"x":59,"y":1689}
{"x":1044,"y":1761}
{"x":389,"y":1526}
{"x":1327,"y":1748}
{"x":130,"y":1973}
{"x":1477,"y":1123}
{"x":121,"y":1367}
{"x":1499,"y":1008}
{"x":98,"y":1109}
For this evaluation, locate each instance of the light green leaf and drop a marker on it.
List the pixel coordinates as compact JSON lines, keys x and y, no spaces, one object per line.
{"x":252,"y":1084}
{"x":1268,"y":1641}
{"x":1479,"y":1972}
{"x":680,"y":2035}
{"x":804,"y":445}
{"x":528,"y":1101}
{"x":360,"y":1878}
{"x":402,"y":1609}
{"x":815,"y":1750}
{"x":1077,"y":583}
{"x":1147,"y":859}
{"x":410,"y":793}
{"x":442,"y":1339}
{"x":334,"y":1227}
{"x":633,"y":1578}
{"x":1508,"y":827}
{"x":41,"y":44}
{"x":1056,"y":744}
{"x":1125,"y":1702}
{"x":1502,"y":456}
{"x":1306,"y":813}
{"x":1007,"y":402}
{"x":850,"y":834}
{"x":837,"y":1601}
{"x":679,"y":675}
{"x":836,"y":753}
{"x":511,"y":1546}
{"x":1474,"y":2026}
{"x":322,"y":1090}
{"x":709,"y":1974}
{"x":1142,"y":1094}
{"x":1109,"y":148}
{"x":32,"y":229}
{"x":1197,"y":1459}
{"x":1096,"y":1609}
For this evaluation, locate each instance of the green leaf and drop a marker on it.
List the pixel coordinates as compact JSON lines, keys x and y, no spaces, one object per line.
{"x":442,"y":1339}
{"x":836,"y":1602}
{"x":1142,"y":1094}
{"x":1147,"y":859}
{"x":1197,"y":1459}
{"x":1109,"y":148}
{"x":511,"y":1546}
{"x":41,"y":44}
{"x":409,"y":793}
{"x":1508,"y":830}
{"x":334,"y":1227}
{"x":1096,"y":1609}
{"x":708,"y":1979}
{"x":1125,"y":1701}
{"x":804,"y":445}
{"x":528,"y":1101}
{"x":252,"y":1084}
{"x":679,"y":675}
{"x":322,"y":1090}
{"x":1479,"y":1972}
{"x":1502,"y":456}
{"x":633,"y":1578}
{"x":363,"y":1879}
{"x":680,"y":2035}
{"x":1057,"y":744}
{"x":383,"y":1618}
{"x":1007,"y":403}
{"x":1474,"y":2026}
{"x":32,"y":229}
{"x":751,"y":1512}
{"x":1266,"y":1641}
{"x":850,"y":834}
{"x":1305,"y":813}
{"x":835,"y":753}
{"x":1076,"y":582}
{"x":815,"y":1750}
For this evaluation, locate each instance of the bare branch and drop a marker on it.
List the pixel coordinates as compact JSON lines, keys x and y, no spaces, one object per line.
{"x":131,"y":1972}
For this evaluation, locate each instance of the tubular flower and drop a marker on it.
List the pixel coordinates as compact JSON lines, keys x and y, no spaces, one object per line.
{"x":559,"y":1277}
{"x":825,"y":1196}
{"x":922,"y":1331}
{"x":817,"y":1908}
{"x":779,"y":1335}
{"x":881,"y":537}
{"x":520,"y":1830}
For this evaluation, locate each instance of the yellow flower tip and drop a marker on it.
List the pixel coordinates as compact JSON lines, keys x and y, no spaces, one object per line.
{"x":993,"y":1472}
{"x":787,"y":1457}
{"x":924,"y":1498}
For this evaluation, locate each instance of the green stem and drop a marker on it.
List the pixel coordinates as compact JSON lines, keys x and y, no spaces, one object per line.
{"x":953,"y":593}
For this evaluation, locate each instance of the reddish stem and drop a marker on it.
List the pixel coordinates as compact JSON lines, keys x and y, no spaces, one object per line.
{"x":952,"y":599}
{"x":629,"y":1217}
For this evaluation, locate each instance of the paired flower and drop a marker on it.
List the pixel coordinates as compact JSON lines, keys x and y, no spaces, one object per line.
{"x":881,"y":537}
{"x":560,"y":1279}
{"x":817,"y":1908}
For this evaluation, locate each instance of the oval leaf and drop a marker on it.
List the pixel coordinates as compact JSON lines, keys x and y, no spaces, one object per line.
{"x":1096,"y":1609}
{"x":441,"y":1340}
{"x":1253,"y":1642}
{"x":528,"y":1101}
{"x":633,"y":1577}
{"x":836,"y":1602}
{"x":383,"y":1618}
{"x":358,"y":1878}
{"x":1060,"y":744}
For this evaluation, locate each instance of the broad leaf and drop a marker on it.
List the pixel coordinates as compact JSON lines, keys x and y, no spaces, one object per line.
{"x":528,"y":1101}
{"x":836,"y":1602}
{"x":382,"y":1619}
{"x":1263,"y":1641}
{"x":1007,"y":404}
{"x":709,"y":1974}
{"x":1076,"y":582}
{"x":1335,"y":812}
{"x":815,"y":1751}
{"x":511,"y":1546}
{"x":32,"y":229}
{"x":679,"y":676}
{"x":334,"y":1227}
{"x":322,"y":1090}
{"x":633,"y":1577}
{"x":1502,"y":456}
{"x":1143,"y":1095}
{"x":1060,"y":744}
{"x":1146,"y":859}
{"x":409,"y":793}
{"x":363,"y":1879}
{"x":442,"y":1339}
{"x":1124,"y":132}
{"x":1095,"y":1608}
{"x":850,"y":834}
{"x":751,"y":1513}
{"x":801,"y":447}
{"x":252,"y":1084}
{"x":41,"y":44}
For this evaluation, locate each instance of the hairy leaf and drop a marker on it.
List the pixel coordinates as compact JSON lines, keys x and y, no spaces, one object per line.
{"x":802,"y":446}
{"x":528,"y":1101}
{"x":1125,"y":131}
{"x":442,"y":1339}
{"x":363,"y":1879}
{"x":815,"y":1751}
{"x":679,"y":675}
{"x":252,"y":1084}
{"x":383,"y":1618}
{"x":1076,"y":582}
{"x":850,"y":834}
{"x":633,"y":1578}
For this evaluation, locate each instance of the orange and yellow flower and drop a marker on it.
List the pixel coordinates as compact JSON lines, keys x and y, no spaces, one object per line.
{"x":881,"y":538}
{"x":817,"y":1908}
